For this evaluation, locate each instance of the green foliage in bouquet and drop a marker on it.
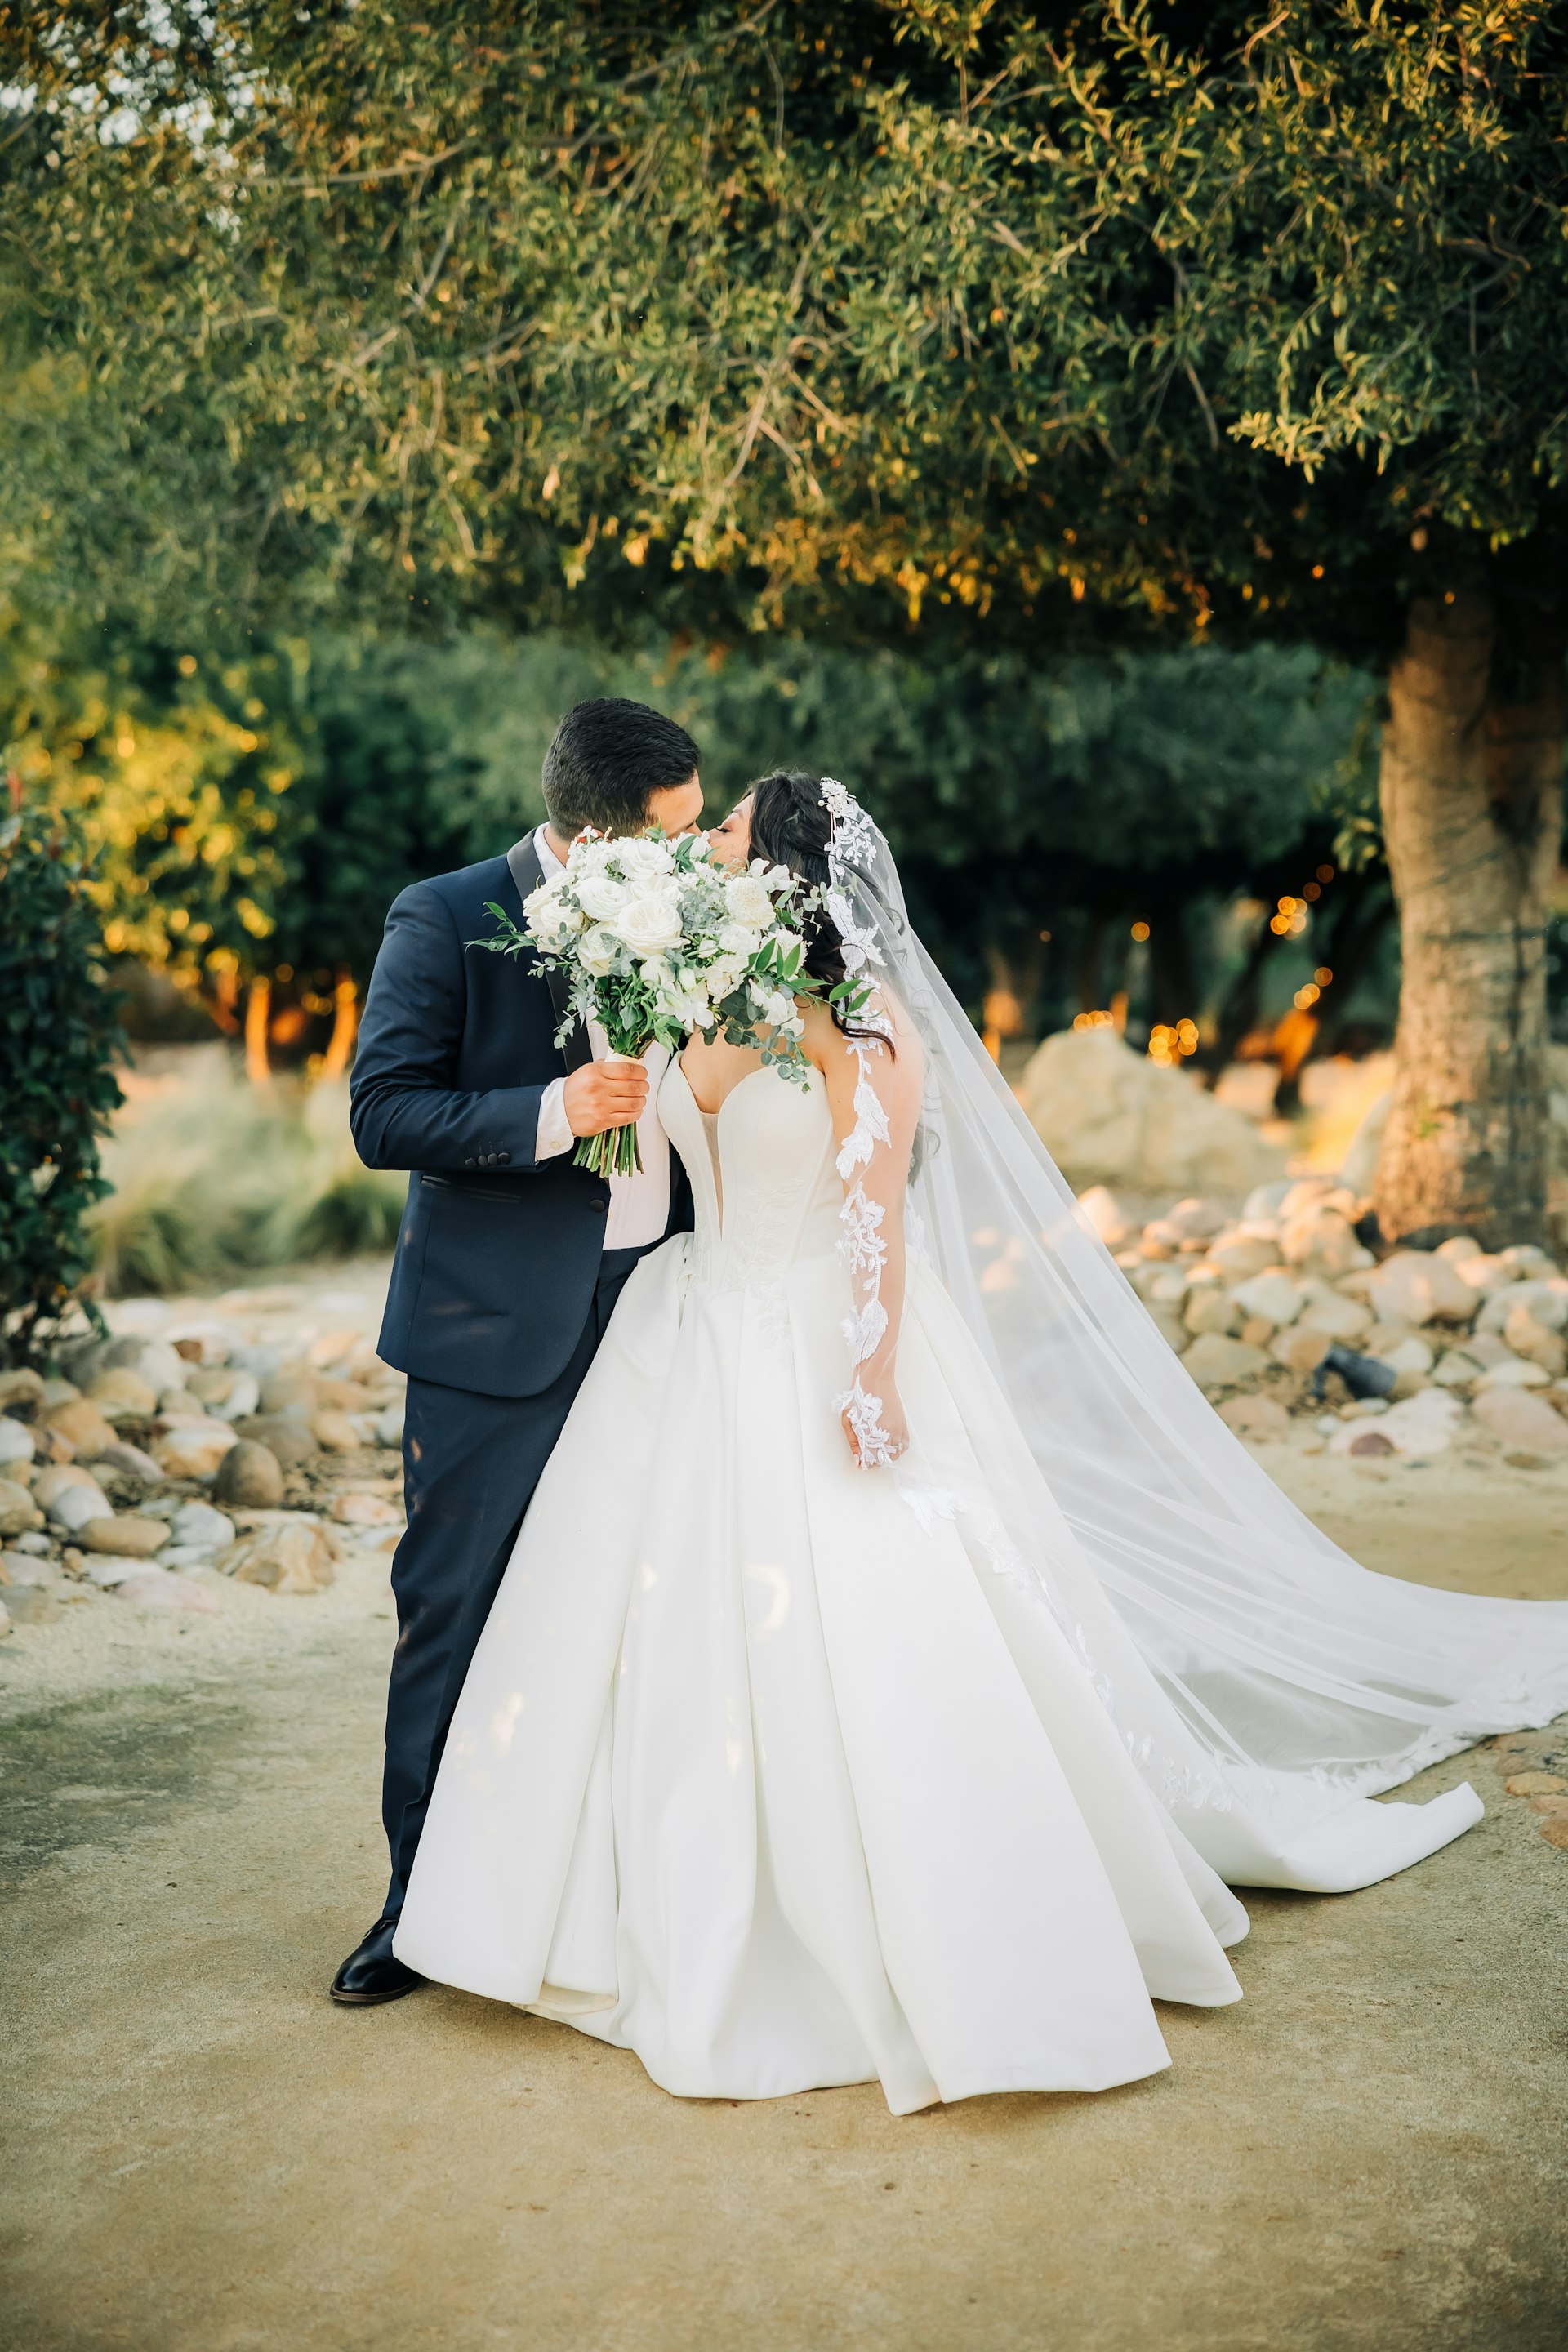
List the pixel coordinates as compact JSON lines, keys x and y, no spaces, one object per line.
{"x":59,"y":1038}
{"x":656,"y":943}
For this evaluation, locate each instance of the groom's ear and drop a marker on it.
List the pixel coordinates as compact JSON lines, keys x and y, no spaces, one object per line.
{"x":677,"y":808}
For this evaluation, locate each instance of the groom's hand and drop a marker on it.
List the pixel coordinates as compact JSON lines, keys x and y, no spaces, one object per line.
{"x":603,"y":1094}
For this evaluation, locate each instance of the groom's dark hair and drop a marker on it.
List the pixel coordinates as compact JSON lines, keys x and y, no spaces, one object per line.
{"x":606,"y":758}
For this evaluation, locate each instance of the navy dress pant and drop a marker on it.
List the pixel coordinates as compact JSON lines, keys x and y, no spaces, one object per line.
{"x":470,"y":1467}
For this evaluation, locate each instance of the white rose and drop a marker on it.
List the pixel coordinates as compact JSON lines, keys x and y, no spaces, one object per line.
{"x":547,"y":914}
{"x":738,"y":939}
{"x":747,"y":902}
{"x":641,"y":860}
{"x":597,"y":951}
{"x":589,"y":858}
{"x":600,"y":898}
{"x":779,"y":1010}
{"x":650,"y":919}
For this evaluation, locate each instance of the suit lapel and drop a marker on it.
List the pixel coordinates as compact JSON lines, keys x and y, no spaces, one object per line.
{"x":527,"y":873}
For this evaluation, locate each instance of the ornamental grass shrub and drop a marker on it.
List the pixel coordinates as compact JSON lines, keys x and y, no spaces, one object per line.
{"x":217,"y":1180}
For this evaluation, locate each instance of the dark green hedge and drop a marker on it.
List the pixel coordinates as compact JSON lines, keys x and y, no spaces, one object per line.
{"x":59,"y":1037}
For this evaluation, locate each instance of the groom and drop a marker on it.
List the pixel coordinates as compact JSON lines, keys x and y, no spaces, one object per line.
{"x":509,"y":1258}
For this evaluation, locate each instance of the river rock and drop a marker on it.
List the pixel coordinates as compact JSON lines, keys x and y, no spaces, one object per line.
{"x":334,"y":1432}
{"x":1519,"y":1419}
{"x":72,"y":1507}
{"x":293,"y":1555}
{"x":1104,"y":1213}
{"x":152,"y":1362}
{"x":291,"y":1385}
{"x":1238,"y":1260}
{"x":57,"y":1476}
{"x":1255,"y":1416}
{"x":1535,"y":1342}
{"x":198,"y":1527}
{"x":1423,"y":1424}
{"x":1208,"y":1306}
{"x":1321,"y":1240}
{"x":1169,"y":1326}
{"x":131,"y":1459}
{"x":122,"y":1394}
{"x":1514,"y":1373}
{"x":158,"y":1588}
{"x":1300,"y":1351}
{"x":1485,"y":1274}
{"x":1199,"y":1218}
{"x":1413,"y":1357}
{"x":388,"y":1425}
{"x":1418,"y":1286}
{"x":1339,"y":1317}
{"x":28,"y":1568}
{"x":105,"y":1569}
{"x":1110,"y":1116}
{"x":82,"y":1425}
{"x":1215,"y":1361}
{"x":19,"y":1512}
{"x":244,"y":1396}
{"x":1272,"y":1297}
{"x":360,"y":1507}
{"x":17,"y":1443}
{"x":251,"y":1476}
{"x":204,"y":1343}
{"x":1362,"y":1441}
{"x":124,"y":1533}
{"x":195,"y":1451}
{"x":292,"y":1441}
{"x":21,"y":1390}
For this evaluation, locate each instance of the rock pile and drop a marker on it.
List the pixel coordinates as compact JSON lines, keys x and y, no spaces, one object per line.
{"x":106,"y":1475}
{"x":1108,"y":1115}
{"x":1284,"y":1309}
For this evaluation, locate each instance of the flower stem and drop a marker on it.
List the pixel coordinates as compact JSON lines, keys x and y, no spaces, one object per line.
{"x":615,"y":1153}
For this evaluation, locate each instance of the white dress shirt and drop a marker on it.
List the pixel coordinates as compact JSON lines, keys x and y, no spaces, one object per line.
{"x":639,"y":1206}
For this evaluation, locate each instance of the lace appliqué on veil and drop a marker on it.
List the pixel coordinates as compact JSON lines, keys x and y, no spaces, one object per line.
{"x":853,"y":838}
{"x":865,"y":1252}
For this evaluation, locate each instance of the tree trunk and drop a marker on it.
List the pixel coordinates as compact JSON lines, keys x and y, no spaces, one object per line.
{"x":1472,"y":759}
{"x":258,"y":1013}
{"x":345,"y":1028}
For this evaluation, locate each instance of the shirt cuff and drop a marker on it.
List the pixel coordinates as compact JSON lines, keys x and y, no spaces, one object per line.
{"x":554,"y":1135}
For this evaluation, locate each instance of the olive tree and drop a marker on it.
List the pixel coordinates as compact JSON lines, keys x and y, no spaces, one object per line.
{"x":891,"y":316}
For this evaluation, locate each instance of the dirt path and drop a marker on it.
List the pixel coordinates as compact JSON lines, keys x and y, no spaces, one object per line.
{"x":203,"y":2155}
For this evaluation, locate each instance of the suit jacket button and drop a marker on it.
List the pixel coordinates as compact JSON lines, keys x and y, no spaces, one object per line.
{"x":504,"y":1159}
{"x":600,"y":1207}
{"x":467,"y":1163}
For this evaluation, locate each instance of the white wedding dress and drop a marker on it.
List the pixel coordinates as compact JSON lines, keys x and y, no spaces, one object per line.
{"x":784,"y":1774}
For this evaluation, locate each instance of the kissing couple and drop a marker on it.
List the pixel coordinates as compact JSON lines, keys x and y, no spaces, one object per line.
{"x":837,"y":1639}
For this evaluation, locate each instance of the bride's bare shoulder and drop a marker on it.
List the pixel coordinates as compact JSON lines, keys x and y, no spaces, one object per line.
{"x":826,"y":1044}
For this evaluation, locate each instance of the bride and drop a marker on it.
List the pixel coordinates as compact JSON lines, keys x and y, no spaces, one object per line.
{"x":900,"y":1660}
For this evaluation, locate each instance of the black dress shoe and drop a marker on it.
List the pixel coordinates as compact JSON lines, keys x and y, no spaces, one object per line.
{"x":374,"y":1972}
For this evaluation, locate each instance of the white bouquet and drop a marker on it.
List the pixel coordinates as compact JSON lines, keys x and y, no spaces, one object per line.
{"x":658,"y":942}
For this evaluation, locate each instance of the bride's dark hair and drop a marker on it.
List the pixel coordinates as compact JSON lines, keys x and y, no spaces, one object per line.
{"x":791,"y":826}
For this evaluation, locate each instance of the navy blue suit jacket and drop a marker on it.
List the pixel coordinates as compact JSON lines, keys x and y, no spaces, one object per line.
{"x":497,"y":1255}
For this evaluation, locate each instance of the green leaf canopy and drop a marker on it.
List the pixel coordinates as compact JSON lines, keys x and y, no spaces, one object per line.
{"x":729,"y":315}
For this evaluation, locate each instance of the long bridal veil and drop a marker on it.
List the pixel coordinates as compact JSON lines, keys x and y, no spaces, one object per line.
{"x":1297,"y":1682}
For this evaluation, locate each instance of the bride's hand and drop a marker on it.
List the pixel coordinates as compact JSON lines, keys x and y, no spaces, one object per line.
{"x":891,"y":1420}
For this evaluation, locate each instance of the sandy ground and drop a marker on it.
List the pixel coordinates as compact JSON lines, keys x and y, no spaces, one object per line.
{"x":202,"y":2155}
